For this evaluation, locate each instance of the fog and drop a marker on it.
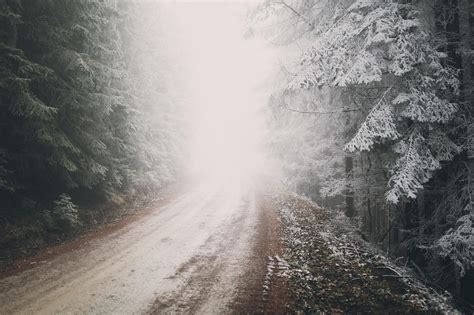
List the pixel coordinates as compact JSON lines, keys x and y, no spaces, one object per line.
{"x":226,"y":85}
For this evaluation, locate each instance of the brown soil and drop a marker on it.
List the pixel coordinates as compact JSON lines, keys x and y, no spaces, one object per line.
{"x":253,"y":297}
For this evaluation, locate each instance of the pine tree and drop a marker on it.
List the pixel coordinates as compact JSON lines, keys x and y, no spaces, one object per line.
{"x":31,"y":137}
{"x":78,"y":118}
{"x":380,"y":45}
{"x":395,"y":65}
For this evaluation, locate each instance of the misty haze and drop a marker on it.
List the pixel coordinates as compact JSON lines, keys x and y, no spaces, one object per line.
{"x":236,"y":157}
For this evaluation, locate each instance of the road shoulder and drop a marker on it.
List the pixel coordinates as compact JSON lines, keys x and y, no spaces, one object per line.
{"x":264,"y":288}
{"x":115,"y":224}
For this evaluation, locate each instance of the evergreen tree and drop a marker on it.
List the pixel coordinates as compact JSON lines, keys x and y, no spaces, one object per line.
{"x":82,"y":117}
{"x":402,"y":121}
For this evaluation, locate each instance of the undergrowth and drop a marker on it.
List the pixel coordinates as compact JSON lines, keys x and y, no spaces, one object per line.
{"x":331,"y":271}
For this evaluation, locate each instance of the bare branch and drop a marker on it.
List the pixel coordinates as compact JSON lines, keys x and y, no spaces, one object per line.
{"x":344,"y":110}
{"x":301,"y":16}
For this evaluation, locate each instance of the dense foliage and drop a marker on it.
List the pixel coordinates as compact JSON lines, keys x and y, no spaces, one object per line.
{"x":380,"y":93}
{"x":76,"y":125}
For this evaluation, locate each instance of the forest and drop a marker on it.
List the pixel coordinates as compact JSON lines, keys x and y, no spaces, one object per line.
{"x":375,"y":117}
{"x":363,"y":108}
{"x":81,"y":103}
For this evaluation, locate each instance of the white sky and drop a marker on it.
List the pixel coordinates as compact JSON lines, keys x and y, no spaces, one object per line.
{"x":225,"y":73}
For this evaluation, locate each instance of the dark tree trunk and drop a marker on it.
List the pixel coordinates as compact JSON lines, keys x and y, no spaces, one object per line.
{"x":464,"y":12}
{"x":349,"y":166}
{"x":465,"y":36}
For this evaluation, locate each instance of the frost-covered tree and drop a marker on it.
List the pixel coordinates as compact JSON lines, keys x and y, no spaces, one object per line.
{"x":382,"y":46}
{"x":404,"y":119}
{"x":307,"y":145}
{"x":154,"y":76}
{"x":83,"y":121}
{"x":453,"y":215}
{"x":304,"y":120}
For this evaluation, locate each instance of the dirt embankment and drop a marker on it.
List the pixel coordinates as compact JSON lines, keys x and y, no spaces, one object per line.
{"x":331,"y":271}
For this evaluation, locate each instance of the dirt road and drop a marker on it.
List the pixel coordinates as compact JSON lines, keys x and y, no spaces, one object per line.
{"x":188,"y":256}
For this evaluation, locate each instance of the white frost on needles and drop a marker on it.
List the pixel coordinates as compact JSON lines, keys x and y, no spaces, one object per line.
{"x":458,"y":244}
{"x":379,"y":125}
